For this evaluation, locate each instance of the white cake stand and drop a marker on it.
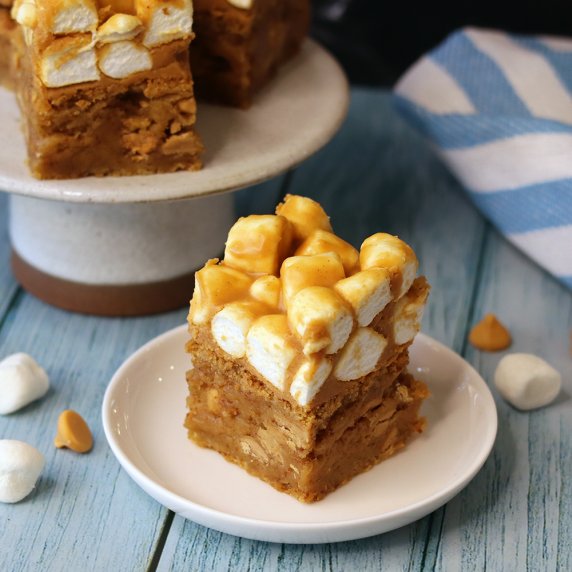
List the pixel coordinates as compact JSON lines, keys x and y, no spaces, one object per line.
{"x":130,"y":245}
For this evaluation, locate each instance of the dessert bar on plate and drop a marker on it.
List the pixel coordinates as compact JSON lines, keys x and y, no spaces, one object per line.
{"x":300,"y":345}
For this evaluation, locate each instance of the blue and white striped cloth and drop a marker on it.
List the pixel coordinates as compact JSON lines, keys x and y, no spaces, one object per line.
{"x":499,"y":109}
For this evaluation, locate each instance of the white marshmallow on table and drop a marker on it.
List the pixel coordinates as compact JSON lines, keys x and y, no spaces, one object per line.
{"x":527,"y":381}
{"x":22,"y":381}
{"x":20,"y":467}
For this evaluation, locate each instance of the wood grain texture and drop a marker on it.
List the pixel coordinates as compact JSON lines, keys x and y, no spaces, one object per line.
{"x":376,"y":175}
{"x":86,"y":514}
{"x":515,"y":515}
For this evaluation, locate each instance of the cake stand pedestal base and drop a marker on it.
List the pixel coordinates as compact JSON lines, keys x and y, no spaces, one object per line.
{"x":116,"y":259}
{"x":124,"y":246}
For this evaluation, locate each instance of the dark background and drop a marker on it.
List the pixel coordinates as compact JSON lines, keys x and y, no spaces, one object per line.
{"x":376,"y":41}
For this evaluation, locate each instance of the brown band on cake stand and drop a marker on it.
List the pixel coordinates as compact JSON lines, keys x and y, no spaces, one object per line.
{"x":104,"y":300}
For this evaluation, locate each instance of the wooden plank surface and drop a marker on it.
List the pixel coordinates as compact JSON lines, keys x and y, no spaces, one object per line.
{"x":516,"y":513}
{"x":85,"y":513}
{"x":377,"y":174}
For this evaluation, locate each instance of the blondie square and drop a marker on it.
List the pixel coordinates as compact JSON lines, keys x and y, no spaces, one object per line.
{"x":241,"y":43}
{"x":300,"y":345}
{"x":105,"y":88}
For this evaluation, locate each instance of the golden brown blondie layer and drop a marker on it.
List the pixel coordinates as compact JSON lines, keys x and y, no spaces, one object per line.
{"x":306,"y":453}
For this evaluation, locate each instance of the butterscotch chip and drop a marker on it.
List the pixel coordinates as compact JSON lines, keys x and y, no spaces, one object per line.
{"x":490,"y":335}
{"x":73,"y":432}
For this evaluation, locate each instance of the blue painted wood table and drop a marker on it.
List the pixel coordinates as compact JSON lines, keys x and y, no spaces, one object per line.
{"x":516,"y":514}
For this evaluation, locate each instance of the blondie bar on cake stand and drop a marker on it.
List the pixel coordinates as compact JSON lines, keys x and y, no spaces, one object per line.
{"x":130,"y":245}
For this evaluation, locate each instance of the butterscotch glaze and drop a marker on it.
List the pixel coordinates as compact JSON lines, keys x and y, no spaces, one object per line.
{"x":259,"y":243}
{"x":305,"y":215}
{"x":321,"y":241}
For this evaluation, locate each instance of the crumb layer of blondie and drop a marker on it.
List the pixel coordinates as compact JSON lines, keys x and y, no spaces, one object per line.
{"x":138,"y":125}
{"x":237,"y":51}
{"x":305,"y":453}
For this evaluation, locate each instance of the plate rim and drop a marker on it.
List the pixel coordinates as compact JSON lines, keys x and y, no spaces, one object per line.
{"x":415,"y":510}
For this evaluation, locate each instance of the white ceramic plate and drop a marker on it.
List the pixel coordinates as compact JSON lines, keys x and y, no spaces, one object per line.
{"x":293,"y":117}
{"x":143,"y":414}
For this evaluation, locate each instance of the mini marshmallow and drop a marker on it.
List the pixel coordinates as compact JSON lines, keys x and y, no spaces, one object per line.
{"x":216,"y":285}
{"x":386,"y":251}
{"x":231,"y":325}
{"x":22,"y":381}
{"x":368,"y":292}
{"x":268,"y":349}
{"x":165,"y":21}
{"x":242,"y":4}
{"x":258,"y":244}
{"x":309,"y":379}
{"x":69,"y":60}
{"x":320,"y":241}
{"x":20,"y":467}
{"x":61,"y":17}
{"x":321,"y":319}
{"x":267,"y":289}
{"x":360,"y":355}
{"x":299,"y":272}
{"x":305,"y":216}
{"x":409,"y":312}
{"x":527,"y":381}
{"x":121,"y":59}
{"x":118,"y":28}
{"x":27,"y":15}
